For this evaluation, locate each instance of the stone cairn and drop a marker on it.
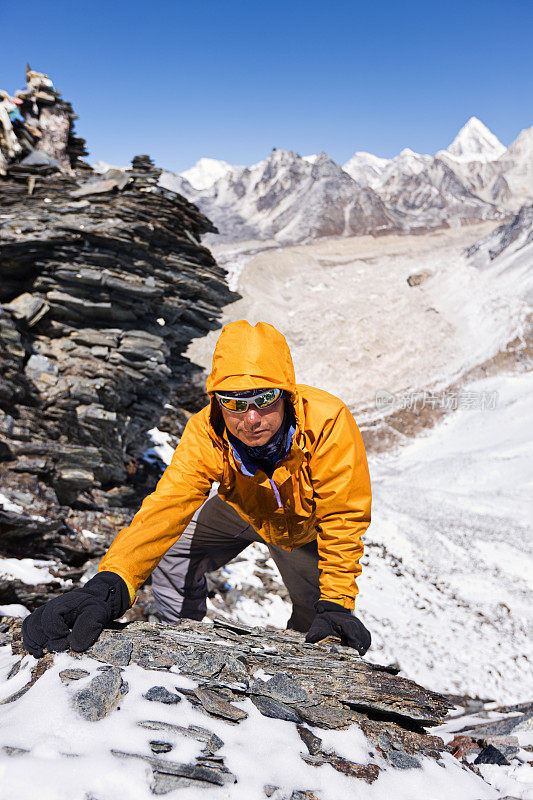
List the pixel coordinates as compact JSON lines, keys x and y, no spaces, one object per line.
{"x":103,"y":284}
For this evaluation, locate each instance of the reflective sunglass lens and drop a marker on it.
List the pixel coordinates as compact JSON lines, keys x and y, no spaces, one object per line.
{"x":240,"y":405}
{"x":268,"y":398}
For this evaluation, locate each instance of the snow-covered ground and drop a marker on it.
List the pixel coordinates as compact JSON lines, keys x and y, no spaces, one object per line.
{"x":70,"y":758}
{"x":354,"y":325}
{"x":449,"y":565}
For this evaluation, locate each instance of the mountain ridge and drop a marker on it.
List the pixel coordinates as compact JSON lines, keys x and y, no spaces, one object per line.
{"x":291,"y":198}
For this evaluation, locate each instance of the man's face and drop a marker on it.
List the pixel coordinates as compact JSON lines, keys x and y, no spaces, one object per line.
{"x":255,"y":426}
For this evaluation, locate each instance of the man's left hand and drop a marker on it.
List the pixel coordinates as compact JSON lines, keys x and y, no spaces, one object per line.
{"x":332,"y":619}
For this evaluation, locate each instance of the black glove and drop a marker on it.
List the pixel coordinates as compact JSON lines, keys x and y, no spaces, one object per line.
{"x":333,"y":619}
{"x":77,"y":618}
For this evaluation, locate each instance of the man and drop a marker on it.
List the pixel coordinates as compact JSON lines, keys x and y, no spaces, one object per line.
{"x":292,"y":473}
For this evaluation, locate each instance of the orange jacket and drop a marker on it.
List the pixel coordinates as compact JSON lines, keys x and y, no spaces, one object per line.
{"x":323,"y":483}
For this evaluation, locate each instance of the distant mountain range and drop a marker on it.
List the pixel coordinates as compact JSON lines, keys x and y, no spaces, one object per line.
{"x":291,"y":198}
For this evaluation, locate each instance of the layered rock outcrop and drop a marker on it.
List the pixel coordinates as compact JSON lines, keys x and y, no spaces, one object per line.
{"x":313,"y":688}
{"x":103,"y":283}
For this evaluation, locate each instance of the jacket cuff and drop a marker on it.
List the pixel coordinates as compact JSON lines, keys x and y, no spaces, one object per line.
{"x":131,"y":591}
{"x":323,"y":606}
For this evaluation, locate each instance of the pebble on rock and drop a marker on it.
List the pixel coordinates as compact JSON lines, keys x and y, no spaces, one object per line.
{"x":69,"y":675}
{"x":158,"y":746}
{"x":162,"y":695}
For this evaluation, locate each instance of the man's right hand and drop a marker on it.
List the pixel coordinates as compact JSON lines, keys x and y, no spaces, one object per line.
{"x":77,"y":618}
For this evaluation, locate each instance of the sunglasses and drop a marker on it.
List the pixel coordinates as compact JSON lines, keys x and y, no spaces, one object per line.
{"x":241,"y":404}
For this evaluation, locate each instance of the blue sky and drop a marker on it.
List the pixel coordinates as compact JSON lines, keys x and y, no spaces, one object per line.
{"x":231,"y":79}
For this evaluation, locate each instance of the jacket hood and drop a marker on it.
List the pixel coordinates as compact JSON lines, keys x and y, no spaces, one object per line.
{"x":251,"y":357}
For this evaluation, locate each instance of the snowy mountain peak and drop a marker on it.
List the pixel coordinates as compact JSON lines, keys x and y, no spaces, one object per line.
{"x":475,"y":142}
{"x":407,"y":153}
{"x":365,"y":168}
{"x":206,"y":172}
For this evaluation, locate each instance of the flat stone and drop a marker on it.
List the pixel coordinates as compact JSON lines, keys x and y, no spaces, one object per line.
{"x":207,"y":664}
{"x":153,"y":657}
{"x":322,"y":716}
{"x":273,"y":708}
{"x":366,"y":772}
{"x":236,"y":627}
{"x":401,"y":760}
{"x":28,"y":307}
{"x":461,"y":746}
{"x":100,"y":187}
{"x":525,"y":708}
{"x":162,"y":695}
{"x":525,"y":724}
{"x":112,"y":648}
{"x":157,"y":746}
{"x":211,"y":740}
{"x":163,"y":784}
{"x":216,"y":705}
{"x":281,"y":688}
{"x":14,"y":751}
{"x":312,"y":742}
{"x":500,"y":727}
{"x":69,"y":675}
{"x":219,"y":777}
{"x":101,"y":695}
{"x":40,"y":365}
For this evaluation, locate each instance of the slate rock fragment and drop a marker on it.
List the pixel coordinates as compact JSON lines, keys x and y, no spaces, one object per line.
{"x":196,"y":772}
{"x":158,"y":746}
{"x":112,"y":648}
{"x":163,"y":784}
{"x":312,"y":742}
{"x":366,"y":772}
{"x":461,"y":746}
{"x":218,"y":706}
{"x":323,"y":716}
{"x":500,"y":727}
{"x":101,"y":696}
{"x":161,"y":695}
{"x":402,"y":760}
{"x":490,"y":755}
{"x":272,"y":708}
{"x":69,"y":675}
{"x":281,"y":688}
{"x":211,"y":740}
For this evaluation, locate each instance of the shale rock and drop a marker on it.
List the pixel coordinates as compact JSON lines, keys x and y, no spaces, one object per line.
{"x":491,"y":755}
{"x":101,"y":695}
{"x":103,"y":284}
{"x":327,"y":686}
{"x":161,"y":695}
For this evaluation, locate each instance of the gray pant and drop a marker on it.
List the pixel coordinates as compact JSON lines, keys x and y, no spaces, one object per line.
{"x":216,"y":535}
